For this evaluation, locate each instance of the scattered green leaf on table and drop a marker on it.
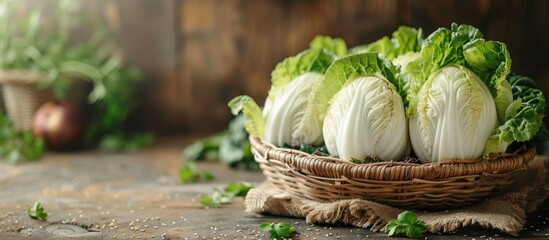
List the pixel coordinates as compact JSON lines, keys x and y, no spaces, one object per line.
{"x":219,"y":197}
{"x":37,"y":212}
{"x":207,"y":176}
{"x":407,"y":224}
{"x":190,"y":174}
{"x":231,"y":147}
{"x":239,"y":189}
{"x":209,"y":201}
{"x":204,"y":148}
{"x":278,"y":230}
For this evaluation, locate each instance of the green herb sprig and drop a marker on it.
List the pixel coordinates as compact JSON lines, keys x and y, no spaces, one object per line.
{"x":407,"y":224}
{"x":37,"y":212}
{"x":231,"y":147}
{"x":190,"y":174}
{"x":219,"y":197}
{"x":278,"y":230}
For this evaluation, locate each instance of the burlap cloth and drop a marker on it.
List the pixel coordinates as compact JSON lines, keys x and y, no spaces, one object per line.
{"x":506,"y":212}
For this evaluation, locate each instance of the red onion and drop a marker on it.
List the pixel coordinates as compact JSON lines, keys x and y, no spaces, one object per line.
{"x":60,"y":124}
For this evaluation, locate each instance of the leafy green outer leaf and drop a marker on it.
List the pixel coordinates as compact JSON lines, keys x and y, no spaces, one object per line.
{"x":491,"y":62}
{"x":441,"y":48}
{"x":312,"y":60}
{"x":349,"y":68}
{"x":524,"y":122}
{"x":335,"y":45}
{"x":253,"y":117}
{"x":405,"y":39}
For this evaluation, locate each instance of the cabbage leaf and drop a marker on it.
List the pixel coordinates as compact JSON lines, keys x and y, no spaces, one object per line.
{"x":336,"y":46}
{"x":404,"y":40}
{"x":524,"y":120}
{"x":253,"y":119}
{"x":350,"y":67}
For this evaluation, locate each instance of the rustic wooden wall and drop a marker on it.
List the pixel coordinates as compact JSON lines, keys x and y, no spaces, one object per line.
{"x":198,"y":54}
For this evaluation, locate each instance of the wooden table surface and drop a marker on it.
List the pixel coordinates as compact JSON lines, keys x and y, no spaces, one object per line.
{"x":139,"y":196}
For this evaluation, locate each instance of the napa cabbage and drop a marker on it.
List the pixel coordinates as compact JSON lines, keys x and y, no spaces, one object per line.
{"x":461,"y":104}
{"x":366,"y":116}
{"x":288,"y":117}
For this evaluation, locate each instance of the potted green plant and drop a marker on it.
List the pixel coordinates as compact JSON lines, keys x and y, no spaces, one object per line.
{"x":40,"y":61}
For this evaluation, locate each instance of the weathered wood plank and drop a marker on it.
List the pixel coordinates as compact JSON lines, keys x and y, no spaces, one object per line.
{"x":124,"y":196}
{"x":229,"y":48}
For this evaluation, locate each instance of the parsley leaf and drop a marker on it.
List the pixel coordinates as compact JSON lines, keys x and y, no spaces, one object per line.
{"x":407,"y":224}
{"x":209,"y":201}
{"x":37,"y":212}
{"x":278,"y":230}
{"x":230,"y":147}
{"x":189,"y":174}
{"x":219,"y":197}
{"x":239,"y":189}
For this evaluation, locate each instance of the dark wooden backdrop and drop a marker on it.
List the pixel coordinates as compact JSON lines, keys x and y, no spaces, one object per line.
{"x":198,"y":54}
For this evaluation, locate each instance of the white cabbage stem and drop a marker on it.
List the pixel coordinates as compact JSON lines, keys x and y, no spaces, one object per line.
{"x":286,"y":121}
{"x":454,"y":118}
{"x":366,"y":118}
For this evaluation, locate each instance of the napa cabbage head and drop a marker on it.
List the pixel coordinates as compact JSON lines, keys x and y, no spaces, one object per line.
{"x":288,"y":120}
{"x":289,"y":116}
{"x":366,"y":117}
{"x":455,"y":116}
{"x":459,"y":97}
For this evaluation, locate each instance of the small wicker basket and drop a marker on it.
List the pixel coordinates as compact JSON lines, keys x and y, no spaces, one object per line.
{"x":22,"y":97}
{"x":442,"y":185}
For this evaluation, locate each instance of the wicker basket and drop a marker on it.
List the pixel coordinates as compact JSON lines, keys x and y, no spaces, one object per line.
{"x":442,"y":185}
{"x":22,"y":97}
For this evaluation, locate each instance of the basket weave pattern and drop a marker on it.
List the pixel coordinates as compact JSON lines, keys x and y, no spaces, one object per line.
{"x":446,"y":184}
{"x":21,"y":97}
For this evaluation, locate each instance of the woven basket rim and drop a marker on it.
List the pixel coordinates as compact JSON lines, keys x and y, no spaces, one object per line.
{"x":20,"y":76}
{"x":330,"y":167}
